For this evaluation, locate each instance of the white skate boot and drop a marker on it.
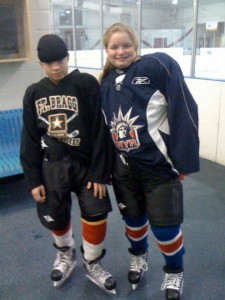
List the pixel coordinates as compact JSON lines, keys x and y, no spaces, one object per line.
{"x":64,"y":264}
{"x":173,"y":283}
{"x":98,"y":275}
{"x":138,"y":266}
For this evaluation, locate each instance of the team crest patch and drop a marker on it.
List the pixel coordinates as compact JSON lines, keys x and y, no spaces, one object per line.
{"x":57,"y":125}
{"x":124,"y":132}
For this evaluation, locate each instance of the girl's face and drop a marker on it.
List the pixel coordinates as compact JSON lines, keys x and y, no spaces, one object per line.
{"x":120,"y":50}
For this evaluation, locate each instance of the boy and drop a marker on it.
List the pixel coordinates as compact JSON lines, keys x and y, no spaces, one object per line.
{"x":64,"y":150}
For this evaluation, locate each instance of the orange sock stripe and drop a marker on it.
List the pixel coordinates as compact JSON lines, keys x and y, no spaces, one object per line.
{"x":63,"y":231}
{"x":94,"y":232}
{"x":173,"y":247}
{"x":136,"y":234}
{"x":94,"y":223}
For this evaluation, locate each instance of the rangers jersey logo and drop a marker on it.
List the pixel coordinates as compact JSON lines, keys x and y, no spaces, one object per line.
{"x":124,"y":132}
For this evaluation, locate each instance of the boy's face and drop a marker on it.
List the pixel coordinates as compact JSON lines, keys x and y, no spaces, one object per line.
{"x":56,"y":70}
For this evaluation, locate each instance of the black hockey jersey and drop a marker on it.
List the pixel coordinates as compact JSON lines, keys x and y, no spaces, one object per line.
{"x":61,"y":119}
{"x":152,"y":116}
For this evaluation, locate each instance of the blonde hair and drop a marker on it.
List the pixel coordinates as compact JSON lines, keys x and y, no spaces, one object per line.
{"x":117,"y":27}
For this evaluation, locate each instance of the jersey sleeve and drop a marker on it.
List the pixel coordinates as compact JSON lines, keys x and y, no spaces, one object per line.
{"x":182,"y":114}
{"x":30,"y":146}
{"x":102,"y":154}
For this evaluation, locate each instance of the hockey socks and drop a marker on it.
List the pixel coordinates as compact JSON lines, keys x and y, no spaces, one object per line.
{"x":66,"y":256}
{"x":170,"y":243}
{"x":137,"y":233}
{"x":64,"y":237}
{"x":94,"y":231}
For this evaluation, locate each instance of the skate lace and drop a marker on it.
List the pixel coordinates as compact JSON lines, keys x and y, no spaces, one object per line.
{"x":63,"y":260}
{"x":172,"y":281}
{"x":98,"y":271}
{"x":139,"y":263}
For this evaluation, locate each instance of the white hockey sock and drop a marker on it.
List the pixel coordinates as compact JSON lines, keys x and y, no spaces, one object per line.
{"x":91,"y":252}
{"x":64,"y":240}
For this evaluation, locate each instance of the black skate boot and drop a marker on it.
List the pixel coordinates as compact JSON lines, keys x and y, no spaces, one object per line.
{"x":64,"y":264}
{"x":98,"y":275}
{"x":173,"y":283}
{"x":138,"y":265}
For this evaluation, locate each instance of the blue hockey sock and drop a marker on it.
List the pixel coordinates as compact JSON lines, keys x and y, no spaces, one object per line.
{"x":170,"y":243}
{"x":137,"y":233}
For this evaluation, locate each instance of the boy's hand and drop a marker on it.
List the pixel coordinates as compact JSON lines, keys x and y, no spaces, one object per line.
{"x":39,"y":194}
{"x":99,"y":189}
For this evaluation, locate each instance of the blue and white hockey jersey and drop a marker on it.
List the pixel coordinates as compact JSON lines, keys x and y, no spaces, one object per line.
{"x":152,"y":116}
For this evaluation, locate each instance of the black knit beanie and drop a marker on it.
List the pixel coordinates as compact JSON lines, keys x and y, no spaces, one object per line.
{"x":51,"y":48}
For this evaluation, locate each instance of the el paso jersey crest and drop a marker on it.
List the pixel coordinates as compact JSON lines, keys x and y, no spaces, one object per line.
{"x":152,"y":116}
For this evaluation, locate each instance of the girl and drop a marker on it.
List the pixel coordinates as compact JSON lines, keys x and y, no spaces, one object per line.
{"x":153,"y":120}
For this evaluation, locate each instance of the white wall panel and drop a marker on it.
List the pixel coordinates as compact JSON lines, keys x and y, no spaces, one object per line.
{"x":207,"y":96}
{"x":220,"y":157}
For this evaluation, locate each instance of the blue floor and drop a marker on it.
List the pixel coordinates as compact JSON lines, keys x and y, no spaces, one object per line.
{"x":27,"y":254}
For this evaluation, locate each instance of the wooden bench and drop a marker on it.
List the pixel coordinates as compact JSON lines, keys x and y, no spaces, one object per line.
{"x":10,"y":133}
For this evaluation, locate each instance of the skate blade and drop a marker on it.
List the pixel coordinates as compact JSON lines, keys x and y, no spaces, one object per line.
{"x":135,"y":286}
{"x":102,"y":287}
{"x":59,"y":283}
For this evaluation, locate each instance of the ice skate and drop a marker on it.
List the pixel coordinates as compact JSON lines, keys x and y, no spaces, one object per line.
{"x":138,"y":266}
{"x":173,"y":284}
{"x":98,"y":275}
{"x":63,"y":266}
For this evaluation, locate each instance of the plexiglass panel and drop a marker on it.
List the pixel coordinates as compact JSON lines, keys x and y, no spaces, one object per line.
{"x":192,"y":34}
{"x":167,"y":26}
{"x":79,"y":24}
{"x":210,"y":58}
{"x":120,"y":11}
